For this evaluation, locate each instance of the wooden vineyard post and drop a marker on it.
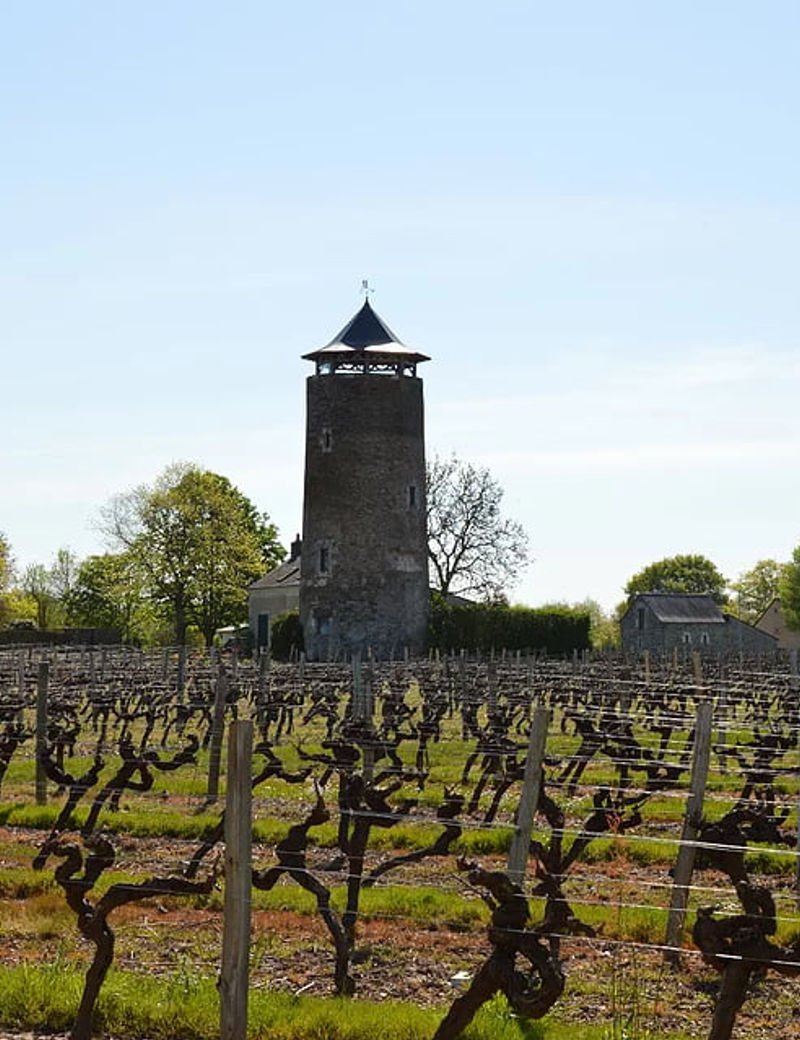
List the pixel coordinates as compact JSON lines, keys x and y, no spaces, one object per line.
{"x":217,"y":729}
{"x":264,"y":662}
{"x":181,"y":676}
{"x":92,"y":669}
{"x":362,"y":710}
{"x":722,"y":728}
{"x":794,"y":689}
{"x":41,"y":731}
{"x":359,"y":706}
{"x":529,"y":800}
{"x":697,"y":667}
{"x":21,"y":685}
{"x":234,"y":979}
{"x":684,"y":864}
{"x":491,"y":681}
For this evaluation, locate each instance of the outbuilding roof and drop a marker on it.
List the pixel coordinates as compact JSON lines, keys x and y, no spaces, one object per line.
{"x":683,"y":608}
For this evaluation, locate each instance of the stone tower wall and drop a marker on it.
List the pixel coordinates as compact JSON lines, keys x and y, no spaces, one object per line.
{"x":364,"y":575}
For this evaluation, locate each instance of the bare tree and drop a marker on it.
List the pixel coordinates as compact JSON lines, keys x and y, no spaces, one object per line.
{"x":473,"y":548}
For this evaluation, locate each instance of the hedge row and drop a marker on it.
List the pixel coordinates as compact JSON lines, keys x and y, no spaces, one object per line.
{"x":487,"y":626}
{"x":474,"y":627}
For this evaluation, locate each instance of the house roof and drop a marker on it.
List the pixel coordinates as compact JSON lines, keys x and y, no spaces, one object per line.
{"x":682,"y":608}
{"x":366,"y":337}
{"x":283,"y":576}
{"x":774,"y":605}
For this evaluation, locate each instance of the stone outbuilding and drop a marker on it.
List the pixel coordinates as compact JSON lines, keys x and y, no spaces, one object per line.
{"x":661,"y":622}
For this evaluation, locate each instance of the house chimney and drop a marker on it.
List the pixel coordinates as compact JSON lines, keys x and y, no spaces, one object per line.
{"x":294,"y":548}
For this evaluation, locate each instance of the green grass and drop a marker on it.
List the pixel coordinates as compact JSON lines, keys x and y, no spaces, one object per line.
{"x":425,"y":906}
{"x":185,"y":1007}
{"x":24,"y":882}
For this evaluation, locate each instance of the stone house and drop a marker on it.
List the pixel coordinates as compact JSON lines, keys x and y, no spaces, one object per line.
{"x":661,"y":622}
{"x":274,"y":594}
{"x":773,"y":622}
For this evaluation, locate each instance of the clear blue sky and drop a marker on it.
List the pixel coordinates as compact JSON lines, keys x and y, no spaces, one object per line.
{"x":587,"y":214}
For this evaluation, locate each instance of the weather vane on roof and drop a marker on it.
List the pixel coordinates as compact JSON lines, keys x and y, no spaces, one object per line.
{"x":366,"y":288}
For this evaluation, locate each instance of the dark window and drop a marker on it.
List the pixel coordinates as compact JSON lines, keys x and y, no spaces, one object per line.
{"x":324,"y":561}
{"x":327,"y":438}
{"x":412,"y":496}
{"x":640,"y":619}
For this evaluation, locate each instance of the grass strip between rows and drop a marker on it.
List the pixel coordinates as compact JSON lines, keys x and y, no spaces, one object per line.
{"x":185,"y":1007}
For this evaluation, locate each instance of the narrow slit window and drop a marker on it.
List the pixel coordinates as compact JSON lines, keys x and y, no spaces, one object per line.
{"x":412,"y":496}
{"x":327,"y":439}
{"x":324,"y":560}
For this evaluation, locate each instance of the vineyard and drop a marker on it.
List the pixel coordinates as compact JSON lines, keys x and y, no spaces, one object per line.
{"x":511,"y":846}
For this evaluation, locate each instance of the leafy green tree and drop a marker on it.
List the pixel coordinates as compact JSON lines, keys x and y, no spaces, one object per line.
{"x":62,"y":573}
{"x":198,"y":542}
{"x":688,"y":573}
{"x":19,"y":606}
{"x":473,"y":549}
{"x":789,"y":590}
{"x":109,"y":592}
{"x":35,"y":583}
{"x":48,"y":587}
{"x":755,"y":589}
{"x":604,"y":627}
{"x":6,"y":577}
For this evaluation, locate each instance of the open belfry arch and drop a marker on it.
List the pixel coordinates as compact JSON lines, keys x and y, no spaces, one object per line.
{"x":364,"y":568}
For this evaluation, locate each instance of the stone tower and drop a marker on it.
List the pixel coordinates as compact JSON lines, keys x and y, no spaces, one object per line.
{"x":364,"y":566}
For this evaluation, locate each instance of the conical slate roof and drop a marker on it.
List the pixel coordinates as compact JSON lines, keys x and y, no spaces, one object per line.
{"x":365,"y":329}
{"x":366,"y":338}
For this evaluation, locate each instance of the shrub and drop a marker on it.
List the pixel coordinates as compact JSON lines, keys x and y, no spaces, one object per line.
{"x":287,"y":636}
